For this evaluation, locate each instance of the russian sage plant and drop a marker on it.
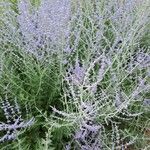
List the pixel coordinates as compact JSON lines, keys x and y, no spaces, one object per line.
{"x":103,"y":72}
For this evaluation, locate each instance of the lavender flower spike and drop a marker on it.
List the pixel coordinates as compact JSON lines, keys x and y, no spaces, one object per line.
{"x":14,"y":121}
{"x":76,"y":74}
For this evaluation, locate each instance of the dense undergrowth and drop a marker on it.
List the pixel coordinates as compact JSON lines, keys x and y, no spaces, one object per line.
{"x":74,"y":75}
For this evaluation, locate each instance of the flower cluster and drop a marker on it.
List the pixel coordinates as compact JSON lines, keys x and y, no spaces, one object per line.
{"x":14,"y":121}
{"x":76,"y":74}
{"x":45,"y":26}
{"x":89,"y":132}
{"x":88,"y":135}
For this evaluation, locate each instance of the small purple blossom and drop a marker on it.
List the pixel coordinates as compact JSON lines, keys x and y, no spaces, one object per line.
{"x":143,"y":60}
{"x":142,"y":86}
{"x":76,"y":73}
{"x":68,"y":147}
{"x":146,"y":102}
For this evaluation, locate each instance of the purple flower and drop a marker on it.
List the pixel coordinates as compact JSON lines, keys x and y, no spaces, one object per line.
{"x":76,"y":73}
{"x":143,"y":60}
{"x":45,"y":26}
{"x":87,"y":136}
{"x":14,"y":121}
{"x":68,"y":147}
{"x":53,"y":18}
{"x":146,"y":102}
